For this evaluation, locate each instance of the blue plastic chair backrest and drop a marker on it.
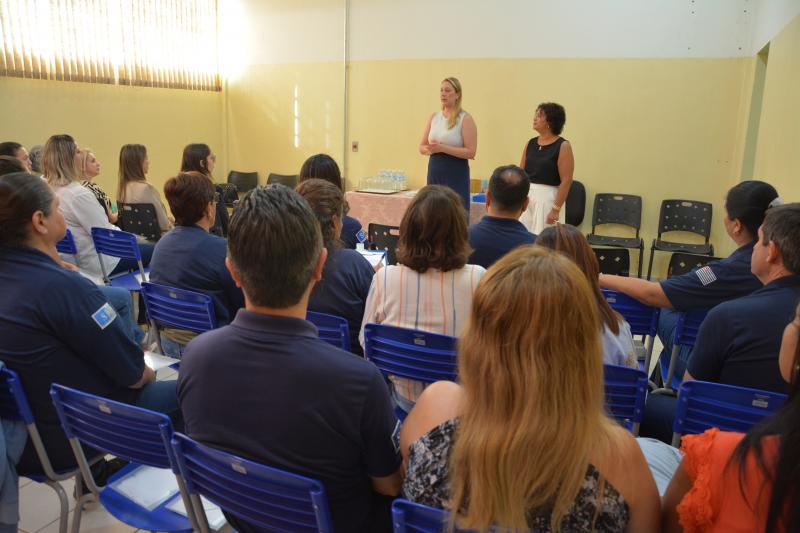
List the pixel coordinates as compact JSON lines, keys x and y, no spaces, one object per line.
{"x":410,"y":517}
{"x":13,"y":402}
{"x":263,"y":496}
{"x":642,"y":318}
{"x":703,"y":405}
{"x":626,"y":391}
{"x":116,"y":243}
{"x":479,"y":198}
{"x":67,"y":244}
{"x":688,"y":325}
{"x":411,"y":353}
{"x":179,"y":308}
{"x":332,"y":329}
{"x":131,"y":433}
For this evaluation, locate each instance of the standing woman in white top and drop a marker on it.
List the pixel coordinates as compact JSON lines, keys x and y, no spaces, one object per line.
{"x":450,"y":139}
{"x":549,"y":162}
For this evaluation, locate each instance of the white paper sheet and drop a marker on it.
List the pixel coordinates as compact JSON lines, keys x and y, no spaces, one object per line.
{"x":148,"y":486}
{"x":375,"y":257}
{"x":213,"y":513}
{"x":156,"y":361}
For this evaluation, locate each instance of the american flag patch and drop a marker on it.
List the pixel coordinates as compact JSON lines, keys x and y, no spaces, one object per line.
{"x":706,"y":275}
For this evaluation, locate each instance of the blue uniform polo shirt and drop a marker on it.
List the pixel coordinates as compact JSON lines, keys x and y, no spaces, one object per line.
{"x":343,"y":290}
{"x":494,"y":237}
{"x":350,"y":229}
{"x":740,"y":340}
{"x":713,"y":284}
{"x":188,"y":257}
{"x":266,"y":387}
{"x":56,"y":327}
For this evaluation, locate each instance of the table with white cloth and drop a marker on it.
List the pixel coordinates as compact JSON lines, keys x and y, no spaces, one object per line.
{"x":388,"y":209}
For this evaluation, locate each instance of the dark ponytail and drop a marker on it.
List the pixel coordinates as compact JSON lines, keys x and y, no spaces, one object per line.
{"x":21,"y":195}
{"x":748,"y":202}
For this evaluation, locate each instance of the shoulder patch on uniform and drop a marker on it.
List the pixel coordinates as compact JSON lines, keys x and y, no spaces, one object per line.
{"x":104,"y":316}
{"x":706,"y":275}
{"x":396,"y":437}
{"x":361,"y":236}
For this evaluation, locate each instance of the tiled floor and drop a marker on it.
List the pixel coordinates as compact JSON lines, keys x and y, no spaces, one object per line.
{"x":39,"y":507}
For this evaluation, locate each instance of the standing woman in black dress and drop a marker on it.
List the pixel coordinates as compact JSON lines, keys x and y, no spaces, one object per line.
{"x":549,"y":162}
{"x":450,"y":139}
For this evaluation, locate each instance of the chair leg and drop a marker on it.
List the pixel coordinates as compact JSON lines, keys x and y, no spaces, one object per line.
{"x":650,"y":265}
{"x":80,"y":499}
{"x":673,"y":361}
{"x":641,"y":260}
{"x":63,"y":517}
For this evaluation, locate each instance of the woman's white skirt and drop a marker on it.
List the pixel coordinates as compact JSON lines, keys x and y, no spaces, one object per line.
{"x":540,"y":202}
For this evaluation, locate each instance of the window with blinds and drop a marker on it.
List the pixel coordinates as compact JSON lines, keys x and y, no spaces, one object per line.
{"x":152,"y":43}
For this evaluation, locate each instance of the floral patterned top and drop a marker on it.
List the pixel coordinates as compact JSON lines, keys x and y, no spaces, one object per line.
{"x":426,"y":483}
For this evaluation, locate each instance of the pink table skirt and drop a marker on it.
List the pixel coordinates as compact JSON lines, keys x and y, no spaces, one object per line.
{"x":388,"y":209}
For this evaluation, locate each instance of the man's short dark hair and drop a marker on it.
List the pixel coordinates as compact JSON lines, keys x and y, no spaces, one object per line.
{"x":782,"y":226}
{"x":188,"y":195}
{"x":509,"y":187}
{"x":274,"y":242}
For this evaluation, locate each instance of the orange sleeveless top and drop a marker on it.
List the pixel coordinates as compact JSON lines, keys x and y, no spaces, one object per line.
{"x":717,"y":501}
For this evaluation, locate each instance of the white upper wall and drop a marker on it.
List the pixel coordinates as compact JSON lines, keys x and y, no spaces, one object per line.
{"x":301,"y":31}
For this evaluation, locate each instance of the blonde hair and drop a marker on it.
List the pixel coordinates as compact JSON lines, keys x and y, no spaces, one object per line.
{"x":531,"y":367}
{"x":456,"y":85}
{"x":58,"y":160}
{"x":83,"y":157}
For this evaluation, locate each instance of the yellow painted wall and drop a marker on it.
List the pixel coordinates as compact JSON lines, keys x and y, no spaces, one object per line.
{"x":777,"y":158}
{"x":104,"y":117}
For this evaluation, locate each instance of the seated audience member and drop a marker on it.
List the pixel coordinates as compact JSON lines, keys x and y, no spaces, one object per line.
{"x":81,"y":209}
{"x":347,"y":276}
{"x":14,"y":149}
{"x":743,"y":482}
{"x":133,"y":185}
{"x":56,"y":325}
{"x":189,"y":257}
{"x":267,"y":388}
{"x":89,"y":168}
{"x":198,"y":157}
{"x":10,"y":164}
{"x":739,"y":341}
{"x":35,"y":156}
{"x":431,"y":286}
{"x":616,"y":339}
{"x":745,"y":206}
{"x":523,"y":443}
{"x":500,"y":231}
{"x":323,"y":167}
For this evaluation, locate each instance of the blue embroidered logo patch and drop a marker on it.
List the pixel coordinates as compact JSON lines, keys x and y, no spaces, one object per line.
{"x":361,"y":236}
{"x":104,"y":316}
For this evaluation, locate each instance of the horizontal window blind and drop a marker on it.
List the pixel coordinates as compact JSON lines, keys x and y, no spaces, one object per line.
{"x":152,"y":43}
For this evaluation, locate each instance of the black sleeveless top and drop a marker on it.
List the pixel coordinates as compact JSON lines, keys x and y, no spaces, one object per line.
{"x":541,"y":162}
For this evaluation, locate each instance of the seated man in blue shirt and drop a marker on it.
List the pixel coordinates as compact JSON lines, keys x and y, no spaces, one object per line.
{"x":189,"y":257}
{"x":267,"y":388}
{"x":500,"y":231}
{"x":56,"y":326}
{"x":739,"y":341}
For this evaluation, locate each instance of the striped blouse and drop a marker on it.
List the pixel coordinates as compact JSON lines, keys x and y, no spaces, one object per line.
{"x":436,"y":301}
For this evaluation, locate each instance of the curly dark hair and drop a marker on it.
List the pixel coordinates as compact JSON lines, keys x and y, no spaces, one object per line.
{"x":555,"y":115}
{"x":433,"y":233}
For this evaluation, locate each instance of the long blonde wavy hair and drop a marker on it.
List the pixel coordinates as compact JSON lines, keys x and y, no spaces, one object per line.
{"x":453,"y":118}
{"x":59,"y":167}
{"x":531,"y":367}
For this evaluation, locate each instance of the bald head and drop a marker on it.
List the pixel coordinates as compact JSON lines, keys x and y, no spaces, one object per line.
{"x":508,"y":191}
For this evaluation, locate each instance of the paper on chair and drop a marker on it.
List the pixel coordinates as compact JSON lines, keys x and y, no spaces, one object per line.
{"x":147,"y":486}
{"x":156,"y":361}
{"x":375,"y":257}
{"x":213,"y":513}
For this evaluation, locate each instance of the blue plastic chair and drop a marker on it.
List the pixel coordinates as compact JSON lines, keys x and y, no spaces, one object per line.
{"x":626,"y":392}
{"x":479,"y":198}
{"x":130,"y":433}
{"x":410,"y":517}
{"x":67,"y":244}
{"x":703,"y":405}
{"x":332,"y":329}
{"x":686,"y":329}
{"x":120,"y":244}
{"x":642,"y":318}
{"x":266,"y":497}
{"x":410,"y":353}
{"x":177,"y":308}
{"x":14,"y":406}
